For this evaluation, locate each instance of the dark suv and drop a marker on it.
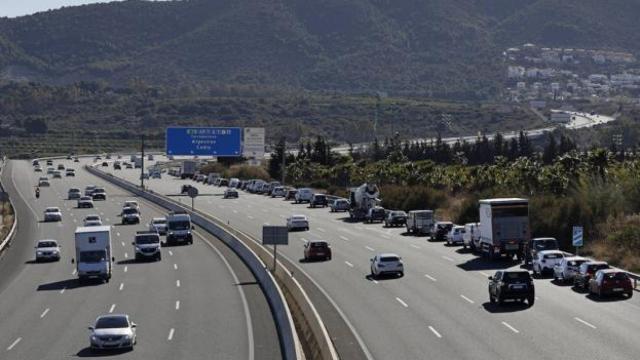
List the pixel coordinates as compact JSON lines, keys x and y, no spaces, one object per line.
{"x":586,"y":272}
{"x":318,"y":200}
{"x":511,"y":284}
{"x":539,"y":244}
{"x":375,"y":214}
{"x":317,"y":249}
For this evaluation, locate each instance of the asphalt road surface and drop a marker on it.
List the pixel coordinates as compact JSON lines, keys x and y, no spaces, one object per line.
{"x":440,"y":308}
{"x":198,"y":302}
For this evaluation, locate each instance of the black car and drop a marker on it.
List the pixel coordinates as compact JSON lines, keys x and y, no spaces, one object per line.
{"x":318,"y":200}
{"x":99,"y":194}
{"x":105,"y":163}
{"x":291,"y":194}
{"x":185,"y":189}
{"x":511,"y":284}
{"x":117,"y":166}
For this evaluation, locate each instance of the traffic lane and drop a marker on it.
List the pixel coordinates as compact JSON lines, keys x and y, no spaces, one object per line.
{"x":92,"y":315}
{"x":200,"y":273}
{"x":265,"y":341}
{"x":549,"y":320}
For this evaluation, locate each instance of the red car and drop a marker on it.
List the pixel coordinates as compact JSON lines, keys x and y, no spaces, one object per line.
{"x":611,"y":282}
{"x":317,"y":249}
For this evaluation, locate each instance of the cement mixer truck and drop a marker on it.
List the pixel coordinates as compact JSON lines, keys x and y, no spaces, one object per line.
{"x":362,"y":199}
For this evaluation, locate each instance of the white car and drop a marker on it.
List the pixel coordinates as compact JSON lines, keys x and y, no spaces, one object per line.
{"x":131,"y":204}
{"x":113,"y":332}
{"x":386,"y":264}
{"x":455,"y":236}
{"x":296,"y":222}
{"x":278,"y":191}
{"x":74,"y":194}
{"x":568,"y":268}
{"x":52,"y":214}
{"x":130,"y":215}
{"x":92,"y":220}
{"x":85,"y":202}
{"x":47,"y":250}
{"x":146,"y":245}
{"x":159,"y":225}
{"x":304,"y":195}
{"x":230,"y":193}
{"x":545,"y":261}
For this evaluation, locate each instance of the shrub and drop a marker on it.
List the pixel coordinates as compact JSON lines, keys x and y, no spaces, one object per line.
{"x":412,"y":197}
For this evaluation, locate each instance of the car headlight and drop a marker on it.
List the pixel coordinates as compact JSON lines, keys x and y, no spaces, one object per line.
{"x":39,"y":252}
{"x":127,"y":337}
{"x":137,"y":248}
{"x":94,"y":338}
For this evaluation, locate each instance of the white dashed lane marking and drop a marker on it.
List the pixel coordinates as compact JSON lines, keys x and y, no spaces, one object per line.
{"x":348,"y":264}
{"x":44,"y":313}
{"x":113,"y":307}
{"x":436,"y":333}
{"x":402,"y":302}
{"x":430,"y":277}
{"x":14,"y":343}
{"x":170,"y":337}
{"x":584,"y":322}
{"x":510,"y":327}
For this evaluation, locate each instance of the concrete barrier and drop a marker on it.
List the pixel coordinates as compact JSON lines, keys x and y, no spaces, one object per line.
{"x":289,"y":341}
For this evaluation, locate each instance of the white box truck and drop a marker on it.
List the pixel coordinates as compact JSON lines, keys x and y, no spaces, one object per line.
{"x":93,"y":253}
{"x":504,"y":227}
{"x":420,"y":222}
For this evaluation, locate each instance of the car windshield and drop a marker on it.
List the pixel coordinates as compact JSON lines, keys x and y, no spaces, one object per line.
{"x":516,"y":276}
{"x":129,"y":211}
{"x":147,"y":239}
{"x":546,"y":244}
{"x":159,"y":221}
{"x":596,"y":267}
{"x":318,"y":245}
{"x":179,"y":225}
{"x":553,"y":256}
{"x":575,"y":262}
{"x":389,"y":259}
{"x":74,"y":190}
{"x":46,"y":244}
{"x":616,"y":276}
{"x":377,"y":211}
{"x":52,"y":210}
{"x":95,"y":256}
{"x":85,"y":198}
{"x":112,"y":322}
{"x":92,"y":218}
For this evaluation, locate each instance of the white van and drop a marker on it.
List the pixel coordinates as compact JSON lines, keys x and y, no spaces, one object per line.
{"x":471,"y":236}
{"x":93,"y":252}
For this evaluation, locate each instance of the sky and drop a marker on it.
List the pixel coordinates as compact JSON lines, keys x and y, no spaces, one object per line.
{"x":13,"y":8}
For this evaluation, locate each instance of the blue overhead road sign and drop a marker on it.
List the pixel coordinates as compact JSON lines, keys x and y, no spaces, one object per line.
{"x":204,"y":141}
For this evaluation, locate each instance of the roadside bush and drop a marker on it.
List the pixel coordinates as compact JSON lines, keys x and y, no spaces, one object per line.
{"x":412,"y":197}
{"x":247,"y":172}
{"x":620,"y":242}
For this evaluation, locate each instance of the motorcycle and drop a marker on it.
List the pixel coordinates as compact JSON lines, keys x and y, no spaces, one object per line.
{"x":37,"y":193}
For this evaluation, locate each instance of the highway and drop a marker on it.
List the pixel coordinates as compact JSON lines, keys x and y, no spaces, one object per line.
{"x":440,"y":308}
{"x":198,"y":302}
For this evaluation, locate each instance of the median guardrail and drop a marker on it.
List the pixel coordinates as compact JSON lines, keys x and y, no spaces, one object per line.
{"x":7,"y":239}
{"x":289,"y":342}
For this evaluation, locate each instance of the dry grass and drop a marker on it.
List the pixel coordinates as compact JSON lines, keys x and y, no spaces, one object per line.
{"x":619,"y":242}
{"x":7,"y":220}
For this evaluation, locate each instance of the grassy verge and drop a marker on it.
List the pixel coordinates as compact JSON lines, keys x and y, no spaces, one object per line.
{"x":7,"y":219}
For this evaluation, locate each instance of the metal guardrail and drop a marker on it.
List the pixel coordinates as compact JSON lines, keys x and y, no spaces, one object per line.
{"x":7,"y":239}
{"x":290,"y":344}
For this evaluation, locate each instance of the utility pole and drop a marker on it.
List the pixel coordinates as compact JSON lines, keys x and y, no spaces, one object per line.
{"x":142,"y":162}
{"x":284,"y":162}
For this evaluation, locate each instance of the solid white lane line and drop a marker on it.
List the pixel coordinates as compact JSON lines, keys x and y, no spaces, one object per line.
{"x":369,"y":248}
{"x":321,"y":229}
{"x":121,"y":287}
{"x":348,"y":264}
{"x":467,"y":299}
{"x":175,"y":266}
{"x":177,"y":304}
{"x":113,"y":307}
{"x":435,"y":332}
{"x":415,"y":246}
{"x":170,"y":253}
{"x":14,"y":343}
{"x":44,"y":313}
{"x":402,"y":302}
{"x":344,"y":238}
{"x":584,"y":322}
{"x":430,"y":277}
{"x":447,"y":258}
{"x":177,"y":283}
{"x":510,"y":327}
{"x":171,"y":334}
{"x":484,"y":273}
{"x":125,"y":268}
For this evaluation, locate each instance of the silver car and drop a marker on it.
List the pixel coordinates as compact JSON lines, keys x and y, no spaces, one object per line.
{"x":52,"y":214}
{"x":47,"y":250}
{"x":113,"y":332}
{"x":568,"y":268}
{"x":74,"y":194}
{"x":159,"y":225}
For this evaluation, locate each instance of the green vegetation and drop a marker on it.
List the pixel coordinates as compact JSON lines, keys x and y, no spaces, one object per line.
{"x":89,"y":117}
{"x":597,"y":189}
{"x":437,"y":48}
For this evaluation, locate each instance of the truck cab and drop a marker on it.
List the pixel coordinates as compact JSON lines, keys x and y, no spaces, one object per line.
{"x":93,"y":257}
{"x":179,"y":228}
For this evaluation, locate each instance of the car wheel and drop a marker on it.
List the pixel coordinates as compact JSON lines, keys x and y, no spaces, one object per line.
{"x":492,"y":299}
{"x":401,"y":273}
{"x":531,"y":300}
{"x":630,"y":294}
{"x":500,"y":300}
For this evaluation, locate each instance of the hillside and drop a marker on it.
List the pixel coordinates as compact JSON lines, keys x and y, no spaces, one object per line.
{"x":438,"y":48}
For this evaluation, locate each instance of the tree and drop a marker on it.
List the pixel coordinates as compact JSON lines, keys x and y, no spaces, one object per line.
{"x":275,"y":163}
{"x":36,"y":126}
{"x":550,"y":152}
